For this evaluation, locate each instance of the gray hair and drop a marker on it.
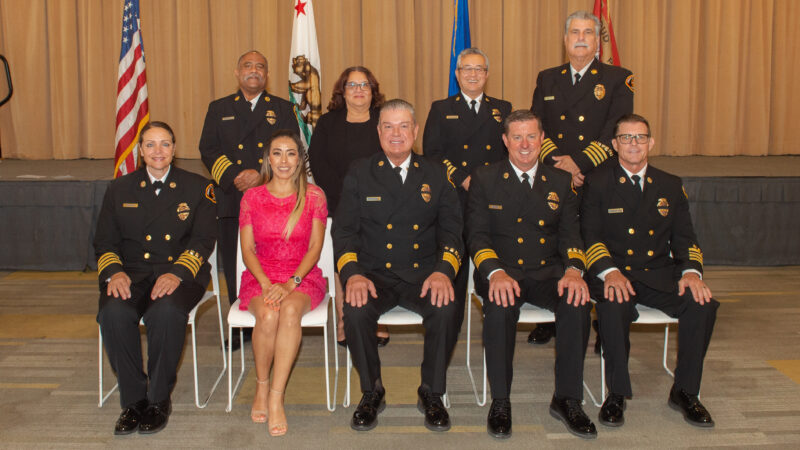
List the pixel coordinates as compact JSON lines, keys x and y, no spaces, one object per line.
{"x":583,"y":15}
{"x":398,"y":103}
{"x":239,"y":61}
{"x":472,"y":51}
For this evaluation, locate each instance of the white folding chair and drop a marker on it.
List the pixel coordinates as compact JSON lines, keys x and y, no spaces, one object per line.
{"x":212,"y":261}
{"x":528,"y":314}
{"x":395,"y":316}
{"x":314,"y":318}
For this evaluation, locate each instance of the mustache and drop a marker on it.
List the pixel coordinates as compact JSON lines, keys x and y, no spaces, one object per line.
{"x":255,"y":75}
{"x":580,"y":44}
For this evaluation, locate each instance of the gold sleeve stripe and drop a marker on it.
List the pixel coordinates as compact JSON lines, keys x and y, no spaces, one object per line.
{"x":220,"y":166}
{"x":576,"y":253}
{"x":107,"y":259}
{"x":346,"y":258}
{"x":452,"y":259}
{"x":547,"y":147}
{"x":483,"y":255}
{"x":191,"y":260}
{"x":597,"y":152}
{"x":596,"y":252}
{"x":695,"y":254}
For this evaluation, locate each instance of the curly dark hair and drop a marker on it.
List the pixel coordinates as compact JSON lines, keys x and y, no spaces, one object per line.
{"x":337,"y":98}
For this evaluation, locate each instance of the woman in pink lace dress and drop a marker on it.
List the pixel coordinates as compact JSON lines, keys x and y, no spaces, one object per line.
{"x":282,"y":226}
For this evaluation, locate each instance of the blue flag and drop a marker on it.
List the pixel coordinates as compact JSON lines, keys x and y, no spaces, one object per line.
{"x":460,"y":40}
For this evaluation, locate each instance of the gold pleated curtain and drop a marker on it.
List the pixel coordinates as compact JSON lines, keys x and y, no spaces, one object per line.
{"x":715,"y":77}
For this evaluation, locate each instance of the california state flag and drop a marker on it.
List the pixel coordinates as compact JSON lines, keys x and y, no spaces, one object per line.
{"x":304,"y":70}
{"x":608,"y":45}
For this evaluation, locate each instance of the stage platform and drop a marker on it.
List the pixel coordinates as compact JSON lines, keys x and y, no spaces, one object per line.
{"x":746,"y":210}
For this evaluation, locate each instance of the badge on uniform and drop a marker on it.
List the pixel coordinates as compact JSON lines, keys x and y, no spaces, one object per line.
{"x":183,"y":211}
{"x":496,"y":115}
{"x":210,"y":193}
{"x":599,"y":91}
{"x":663,"y":206}
{"x":271,"y":117}
{"x":552,"y":200}
{"x":425,"y":192}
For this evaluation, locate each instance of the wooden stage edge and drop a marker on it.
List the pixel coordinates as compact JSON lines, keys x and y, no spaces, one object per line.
{"x":683,"y":166}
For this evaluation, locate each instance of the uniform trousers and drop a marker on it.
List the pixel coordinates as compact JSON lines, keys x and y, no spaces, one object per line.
{"x":227,"y":239}
{"x":499,"y":336}
{"x":165,"y":321}
{"x":361,"y":324}
{"x":695,"y":325}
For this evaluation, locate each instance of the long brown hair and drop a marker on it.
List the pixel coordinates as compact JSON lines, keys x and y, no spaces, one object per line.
{"x":299,"y":178}
{"x":337,"y":98}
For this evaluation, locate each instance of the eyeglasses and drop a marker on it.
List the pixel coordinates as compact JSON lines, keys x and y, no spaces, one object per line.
{"x":473,"y":69}
{"x":627,"y":138}
{"x":364,"y":85}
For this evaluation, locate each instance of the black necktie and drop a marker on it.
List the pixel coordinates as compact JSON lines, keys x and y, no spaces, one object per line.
{"x":473,"y":108}
{"x":525,"y":180}
{"x":577,"y":78}
{"x":636,"y":187}
{"x":157,"y":185}
{"x":397,"y":170}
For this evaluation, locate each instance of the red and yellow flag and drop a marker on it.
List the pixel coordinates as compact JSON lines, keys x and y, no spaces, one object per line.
{"x":608,"y":45}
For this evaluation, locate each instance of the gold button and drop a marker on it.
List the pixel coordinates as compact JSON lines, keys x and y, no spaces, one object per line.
{"x":260,"y":144}
{"x":148,"y":237}
{"x":542,"y":241}
{"x":389,"y":246}
{"x":560,"y":136}
{"x":464,"y":163}
{"x":650,"y":232}
{"x":580,"y":138}
{"x":488,"y":147}
{"x":519,"y":219}
{"x":486,"y":164}
{"x":147,"y":256}
{"x":241,"y":146}
{"x":169,"y":258}
{"x":542,"y":262}
{"x":580,"y":118}
{"x":563,"y":117}
{"x":167,"y":237}
{"x":646,"y":270}
{"x":416,"y":265}
{"x":260,"y":160}
{"x":388,"y":226}
{"x":630,"y":252}
{"x":541,"y":223}
{"x":388,"y":265}
{"x":416,"y":246}
{"x":649,"y":253}
{"x":466,"y":146}
{"x":520,"y":240}
{"x":416,"y":227}
{"x":628,"y":268}
{"x":631,"y":231}
{"x":239,"y":161}
{"x":519,"y":261}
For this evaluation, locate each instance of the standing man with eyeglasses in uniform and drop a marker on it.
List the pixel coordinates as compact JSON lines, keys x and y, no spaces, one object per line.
{"x":464,"y":132}
{"x":579,"y":103}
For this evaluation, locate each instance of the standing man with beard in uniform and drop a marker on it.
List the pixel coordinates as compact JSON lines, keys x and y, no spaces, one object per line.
{"x":579,"y":104}
{"x":232,"y":148}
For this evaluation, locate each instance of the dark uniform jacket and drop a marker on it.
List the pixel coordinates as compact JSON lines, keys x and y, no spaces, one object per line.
{"x":529,"y":233}
{"x":234,"y":137}
{"x":462,"y":141}
{"x":408,"y":230}
{"x":579,"y":120}
{"x":143,"y":234}
{"x":653,"y":242}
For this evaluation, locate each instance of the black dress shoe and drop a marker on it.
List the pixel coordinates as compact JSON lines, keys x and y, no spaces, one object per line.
{"x":689,"y":405}
{"x":236,"y":344}
{"x":498,"y":424}
{"x":569,"y":411}
{"x":129,"y":420}
{"x":155,"y":417}
{"x":383,"y":341}
{"x":542,"y":334}
{"x":436,"y":417}
{"x":342,"y":343}
{"x":366,"y":416}
{"x":611,"y":413}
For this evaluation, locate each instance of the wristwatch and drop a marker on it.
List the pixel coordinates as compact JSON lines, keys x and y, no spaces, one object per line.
{"x":296,"y":280}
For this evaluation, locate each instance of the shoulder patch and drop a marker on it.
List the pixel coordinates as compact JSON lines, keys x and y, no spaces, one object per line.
{"x":629,"y":82}
{"x":210,"y":193}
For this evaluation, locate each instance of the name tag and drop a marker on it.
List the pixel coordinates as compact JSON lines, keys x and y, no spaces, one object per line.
{"x":130,"y":205}
{"x":373,"y":199}
{"x":549,"y":98}
{"x":615,"y":211}
{"x":498,"y":207}
{"x":228,"y":117}
{"x":451,"y":117}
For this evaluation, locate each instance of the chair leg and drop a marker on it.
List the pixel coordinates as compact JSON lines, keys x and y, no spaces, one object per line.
{"x":666,"y":344}
{"x":224,"y":362}
{"x":330,"y":397}
{"x":232,"y":390}
{"x":346,"y":400}
{"x":101,"y":397}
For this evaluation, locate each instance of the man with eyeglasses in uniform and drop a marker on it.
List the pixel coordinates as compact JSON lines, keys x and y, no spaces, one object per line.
{"x":464,"y":132}
{"x":641,"y":248}
{"x":579,"y":103}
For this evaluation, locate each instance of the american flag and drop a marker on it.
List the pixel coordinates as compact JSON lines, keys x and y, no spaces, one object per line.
{"x":132,"y":109}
